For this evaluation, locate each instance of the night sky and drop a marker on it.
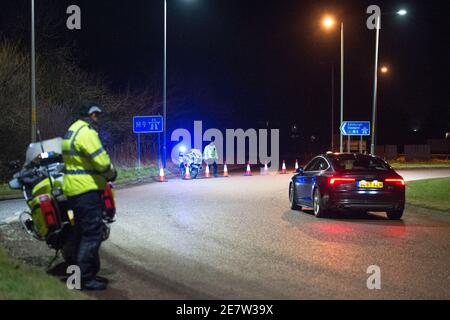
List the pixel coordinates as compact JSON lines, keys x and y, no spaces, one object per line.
{"x":241,"y":63}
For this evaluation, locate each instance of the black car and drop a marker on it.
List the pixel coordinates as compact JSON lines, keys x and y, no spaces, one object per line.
{"x":336,"y":181}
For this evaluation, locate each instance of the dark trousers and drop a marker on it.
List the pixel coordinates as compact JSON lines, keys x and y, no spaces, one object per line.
{"x":88,"y":214}
{"x":214,"y":165}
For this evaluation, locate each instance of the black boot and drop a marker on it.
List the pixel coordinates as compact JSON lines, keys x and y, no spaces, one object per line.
{"x":94,"y":285}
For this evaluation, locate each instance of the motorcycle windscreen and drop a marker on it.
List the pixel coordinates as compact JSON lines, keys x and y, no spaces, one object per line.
{"x":35,"y":149}
{"x":197,"y":156}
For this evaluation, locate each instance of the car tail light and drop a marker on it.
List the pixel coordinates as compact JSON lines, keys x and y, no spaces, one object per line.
{"x":336,"y":180}
{"x":399,"y":182}
{"x":48,"y":210}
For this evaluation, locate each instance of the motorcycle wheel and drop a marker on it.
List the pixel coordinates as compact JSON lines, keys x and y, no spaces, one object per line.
{"x":106,"y":231}
{"x":69,"y":253}
{"x":194,"y":173}
{"x":27,"y":224}
{"x":69,"y":247}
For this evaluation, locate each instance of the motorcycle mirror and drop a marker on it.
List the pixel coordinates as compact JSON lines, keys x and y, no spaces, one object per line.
{"x":15,"y":184}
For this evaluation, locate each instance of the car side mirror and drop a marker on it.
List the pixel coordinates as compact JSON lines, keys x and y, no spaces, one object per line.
{"x":300,"y":170}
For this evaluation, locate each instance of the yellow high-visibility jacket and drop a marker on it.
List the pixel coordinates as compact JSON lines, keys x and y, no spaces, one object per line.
{"x":87,"y":165}
{"x":210,"y":153}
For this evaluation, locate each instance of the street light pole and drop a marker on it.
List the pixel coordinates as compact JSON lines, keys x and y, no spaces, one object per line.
{"x":342,"y":85}
{"x":401,"y":12}
{"x":375,"y":86}
{"x":328,"y":23}
{"x":332,"y":106}
{"x":33,"y":77}
{"x":165,"y":88}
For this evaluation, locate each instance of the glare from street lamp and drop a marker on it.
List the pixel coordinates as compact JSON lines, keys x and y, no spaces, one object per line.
{"x":384,"y":69}
{"x":328,"y":22}
{"x":402,"y":12}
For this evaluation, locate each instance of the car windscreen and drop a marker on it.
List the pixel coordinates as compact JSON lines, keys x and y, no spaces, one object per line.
{"x":356,"y":164}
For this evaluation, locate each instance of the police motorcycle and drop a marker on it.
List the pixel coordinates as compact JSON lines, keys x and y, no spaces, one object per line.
{"x":50,"y":218}
{"x":192,"y":160}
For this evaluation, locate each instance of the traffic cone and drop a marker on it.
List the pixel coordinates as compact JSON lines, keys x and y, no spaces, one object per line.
{"x":207,"y":174}
{"x":266,"y":169}
{"x":248,"y":171}
{"x":225,"y":170}
{"x":296,"y":165}
{"x":283,"y":168}
{"x":187,"y":175}
{"x":162,"y":176}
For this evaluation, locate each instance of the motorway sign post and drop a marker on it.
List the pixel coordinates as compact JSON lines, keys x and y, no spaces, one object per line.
{"x":146,"y":125}
{"x":355,"y":128}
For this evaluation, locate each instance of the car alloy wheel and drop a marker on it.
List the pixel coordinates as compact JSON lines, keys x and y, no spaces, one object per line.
{"x":317,"y":204}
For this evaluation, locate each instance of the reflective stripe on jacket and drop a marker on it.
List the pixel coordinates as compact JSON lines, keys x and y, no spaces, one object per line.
{"x":87,"y":165}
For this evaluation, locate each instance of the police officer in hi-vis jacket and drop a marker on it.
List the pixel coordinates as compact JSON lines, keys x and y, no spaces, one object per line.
{"x":87,"y":170}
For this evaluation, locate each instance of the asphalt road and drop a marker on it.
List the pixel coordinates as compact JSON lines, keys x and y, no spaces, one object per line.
{"x":236,"y":238}
{"x":10,"y":207}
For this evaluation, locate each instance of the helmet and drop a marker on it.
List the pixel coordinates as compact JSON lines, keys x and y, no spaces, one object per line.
{"x":90,"y":108}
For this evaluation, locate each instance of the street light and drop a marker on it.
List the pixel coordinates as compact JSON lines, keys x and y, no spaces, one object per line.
{"x":165,"y":86}
{"x":401,"y":12}
{"x":384,"y":69}
{"x":328,"y":22}
{"x":33,"y":78}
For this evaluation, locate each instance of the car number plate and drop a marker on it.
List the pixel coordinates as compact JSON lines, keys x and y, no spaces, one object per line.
{"x":371,"y":184}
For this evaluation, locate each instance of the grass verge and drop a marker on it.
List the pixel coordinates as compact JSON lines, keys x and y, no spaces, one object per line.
{"x":430,"y":193}
{"x":433,"y":164}
{"x":7,"y":193}
{"x":19,"y":281}
{"x":126,"y":175}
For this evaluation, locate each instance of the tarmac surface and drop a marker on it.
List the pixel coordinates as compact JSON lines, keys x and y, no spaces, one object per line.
{"x":236,"y":238}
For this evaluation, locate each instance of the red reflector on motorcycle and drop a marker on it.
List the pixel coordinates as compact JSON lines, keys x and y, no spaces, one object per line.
{"x":108,"y":197}
{"x":399,"y":182}
{"x":48,"y":210}
{"x":336,"y":181}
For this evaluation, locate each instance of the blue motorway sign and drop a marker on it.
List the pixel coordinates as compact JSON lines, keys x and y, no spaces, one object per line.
{"x":148,"y":124}
{"x":355,"y":128}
